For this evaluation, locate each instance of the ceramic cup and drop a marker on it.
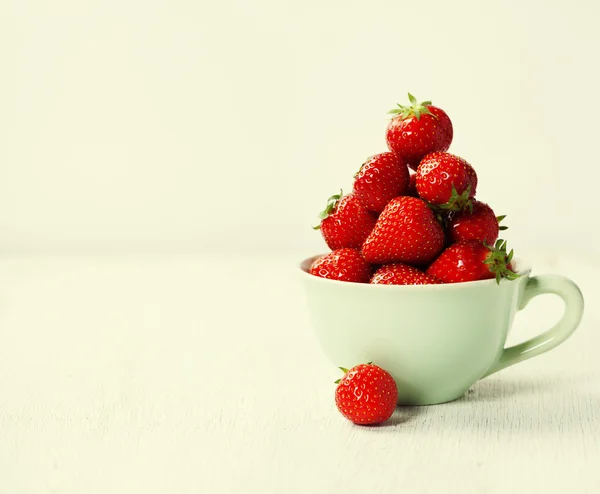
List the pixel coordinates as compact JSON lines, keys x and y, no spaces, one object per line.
{"x":435,"y":340}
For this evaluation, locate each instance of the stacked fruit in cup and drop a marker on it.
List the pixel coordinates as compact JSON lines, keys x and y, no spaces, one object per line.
{"x":412,"y":217}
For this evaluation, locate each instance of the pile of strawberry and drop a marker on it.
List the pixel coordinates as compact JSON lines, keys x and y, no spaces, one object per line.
{"x":412,"y":217}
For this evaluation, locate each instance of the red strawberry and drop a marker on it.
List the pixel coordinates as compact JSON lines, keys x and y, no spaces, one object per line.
{"x":471,"y":261}
{"x":381,"y":178}
{"x":342,"y":265}
{"x":417,"y":130}
{"x":402,"y":274}
{"x":412,"y":186}
{"x":366,"y":394}
{"x":407,"y":231}
{"x":477,"y":224}
{"x":446,"y":180}
{"x":345,"y":222}
{"x":473,"y":176}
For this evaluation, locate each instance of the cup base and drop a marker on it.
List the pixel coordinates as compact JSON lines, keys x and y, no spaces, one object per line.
{"x":424,"y":401}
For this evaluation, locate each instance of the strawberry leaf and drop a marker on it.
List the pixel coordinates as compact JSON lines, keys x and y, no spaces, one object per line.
{"x":498,"y":261}
{"x":329,"y":208}
{"x":510,"y":256}
{"x":457,"y":202}
{"x":415,"y":109}
{"x":499,"y":219}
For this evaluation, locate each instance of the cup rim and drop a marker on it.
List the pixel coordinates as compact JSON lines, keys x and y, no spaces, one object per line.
{"x":524,"y":269}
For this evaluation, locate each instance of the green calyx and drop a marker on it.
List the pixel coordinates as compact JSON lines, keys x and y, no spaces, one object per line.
{"x":457,"y":202}
{"x":501,"y":227}
{"x":329,"y":208}
{"x":345,"y":371}
{"x":415,"y":108}
{"x":498,"y":261}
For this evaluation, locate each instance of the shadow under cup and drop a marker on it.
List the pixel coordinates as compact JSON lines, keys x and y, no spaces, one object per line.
{"x":435,"y":340}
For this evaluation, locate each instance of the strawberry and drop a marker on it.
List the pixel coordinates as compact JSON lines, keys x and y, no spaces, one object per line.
{"x":342,"y":265}
{"x":480,"y":223}
{"x":446,"y":180}
{"x":417,"y":130}
{"x":406,"y":231}
{"x":345,"y":222}
{"x":412,"y":185}
{"x":402,"y":274}
{"x":381,"y":178}
{"x":471,"y":261}
{"x":366,"y":394}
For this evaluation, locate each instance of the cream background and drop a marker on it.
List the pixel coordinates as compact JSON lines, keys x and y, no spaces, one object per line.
{"x":183,"y":137}
{"x":186,"y":126}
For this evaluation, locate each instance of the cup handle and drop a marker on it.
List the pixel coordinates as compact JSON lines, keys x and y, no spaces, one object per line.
{"x":539,"y":285}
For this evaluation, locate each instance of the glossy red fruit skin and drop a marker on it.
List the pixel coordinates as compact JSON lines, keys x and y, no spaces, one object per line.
{"x":412,"y":138}
{"x":438,"y":172}
{"x":367,"y":394}
{"x":342,"y":265}
{"x":407,"y":231}
{"x":381,"y":178}
{"x":348,"y":225}
{"x":463,"y":261}
{"x":473,"y":176}
{"x":402,"y":274}
{"x":481,"y":225}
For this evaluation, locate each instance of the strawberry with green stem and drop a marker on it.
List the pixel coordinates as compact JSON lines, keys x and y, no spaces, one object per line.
{"x":418,"y":129}
{"x":345,"y":222}
{"x":446,"y":181}
{"x":366,"y":395}
{"x":472,"y":261}
{"x":479,"y":222}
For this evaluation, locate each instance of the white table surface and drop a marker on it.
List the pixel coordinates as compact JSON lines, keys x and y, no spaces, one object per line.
{"x":202,"y":375}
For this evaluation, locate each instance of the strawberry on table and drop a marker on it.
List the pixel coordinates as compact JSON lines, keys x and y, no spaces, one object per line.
{"x":418,"y":129}
{"x":367,"y":394}
{"x":472,"y":261}
{"x":480,"y":223}
{"x":402,"y":274}
{"x":381,"y":178}
{"x":345,"y":222}
{"x":342,"y":265}
{"x":446,"y":180}
{"x":407,"y":231}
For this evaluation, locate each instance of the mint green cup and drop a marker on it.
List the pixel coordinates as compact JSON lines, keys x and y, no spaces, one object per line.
{"x":435,"y":340}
